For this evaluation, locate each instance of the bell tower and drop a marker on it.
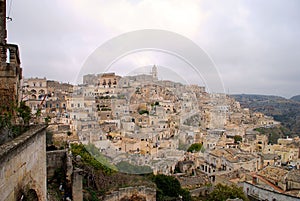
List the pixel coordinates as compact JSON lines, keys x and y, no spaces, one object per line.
{"x":154,"y":72}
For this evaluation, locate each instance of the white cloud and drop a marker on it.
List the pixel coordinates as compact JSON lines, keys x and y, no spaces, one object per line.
{"x":183,"y":17}
{"x":253,"y":43}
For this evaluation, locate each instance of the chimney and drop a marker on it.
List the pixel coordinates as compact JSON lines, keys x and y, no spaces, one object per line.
{"x":254,"y":180}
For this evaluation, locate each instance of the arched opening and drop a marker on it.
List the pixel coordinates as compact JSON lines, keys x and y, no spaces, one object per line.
{"x":31,"y":195}
{"x":33,"y":96}
{"x":41,"y":91}
{"x":33,"y":91}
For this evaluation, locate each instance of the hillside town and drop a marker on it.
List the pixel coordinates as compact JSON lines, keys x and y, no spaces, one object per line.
{"x":135,"y":138}
{"x":150,"y":122}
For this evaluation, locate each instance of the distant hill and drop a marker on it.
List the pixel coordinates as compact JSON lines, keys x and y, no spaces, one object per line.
{"x":296,"y":98}
{"x":287,"y":111}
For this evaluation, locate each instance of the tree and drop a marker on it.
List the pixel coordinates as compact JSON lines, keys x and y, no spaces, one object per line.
{"x":223,"y":192}
{"x":237,"y":138}
{"x":196,"y":147}
{"x":47,"y":119}
{"x":9,"y":127}
{"x":168,"y":187}
{"x":141,"y":112}
{"x":24,"y":112}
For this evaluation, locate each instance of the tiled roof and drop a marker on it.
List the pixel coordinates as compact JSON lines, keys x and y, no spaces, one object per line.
{"x":294,"y":175}
{"x":273,"y":173}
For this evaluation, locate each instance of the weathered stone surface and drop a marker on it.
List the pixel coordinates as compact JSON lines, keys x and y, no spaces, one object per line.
{"x":259,"y":193}
{"x":10,"y":70}
{"x":23,"y":165}
{"x":141,"y":192}
{"x":55,"y":160}
{"x":77,"y":185}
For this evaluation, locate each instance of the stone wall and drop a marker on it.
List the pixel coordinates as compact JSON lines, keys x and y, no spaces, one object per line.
{"x":10,"y":70}
{"x":55,"y":160}
{"x":10,"y":76}
{"x":258,"y":193}
{"x":123,"y":193}
{"x":77,"y":185}
{"x":23,"y":166}
{"x":293,"y":185}
{"x":202,"y":192}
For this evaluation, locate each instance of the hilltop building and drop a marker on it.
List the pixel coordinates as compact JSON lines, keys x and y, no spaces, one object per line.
{"x":154,"y":72}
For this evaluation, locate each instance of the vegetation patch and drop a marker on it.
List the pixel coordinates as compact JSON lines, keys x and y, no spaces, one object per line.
{"x":169,"y":188}
{"x":274,"y":133}
{"x":196,"y":147}
{"x":91,"y":156}
{"x":223,"y":192}
{"x":126,"y":167}
{"x":141,"y":112}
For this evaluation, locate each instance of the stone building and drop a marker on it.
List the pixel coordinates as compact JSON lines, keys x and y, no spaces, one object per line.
{"x":10,"y":70}
{"x":35,"y":93}
{"x":286,"y":153}
{"x":105,"y":80}
{"x":50,"y":97}
{"x":228,"y":159}
{"x":89,"y":79}
{"x":35,"y":88}
{"x":256,"y":192}
{"x":281,"y":182}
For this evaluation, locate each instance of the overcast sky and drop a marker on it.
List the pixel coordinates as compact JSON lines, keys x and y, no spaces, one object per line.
{"x":255,"y":44}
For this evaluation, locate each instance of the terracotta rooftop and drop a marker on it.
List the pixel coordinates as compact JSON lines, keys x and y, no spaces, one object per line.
{"x":294,"y":175}
{"x":273,"y":173}
{"x":233,"y":155}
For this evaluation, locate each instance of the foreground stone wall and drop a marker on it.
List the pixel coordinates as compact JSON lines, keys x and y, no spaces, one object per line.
{"x":23,"y":166}
{"x":124,"y":193}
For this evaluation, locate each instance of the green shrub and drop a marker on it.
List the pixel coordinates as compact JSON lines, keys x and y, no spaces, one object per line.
{"x":141,"y":112}
{"x":223,"y":192}
{"x":97,"y":161}
{"x":196,"y":147}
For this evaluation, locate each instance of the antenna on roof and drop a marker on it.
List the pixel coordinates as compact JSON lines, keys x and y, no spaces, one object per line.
{"x":8,"y":18}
